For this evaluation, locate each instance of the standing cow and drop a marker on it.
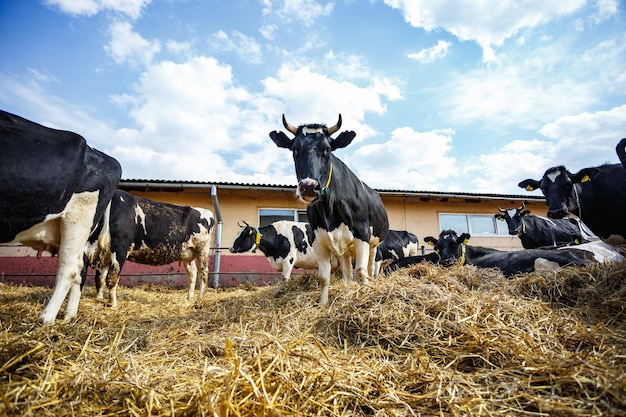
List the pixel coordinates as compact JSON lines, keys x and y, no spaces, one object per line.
{"x":347,"y":216}
{"x":54,"y":189}
{"x":153,"y":233}
{"x":285,"y":244}
{"x":398,"y":244}
{"x":540,"y":232}
{"x":597,"y":195}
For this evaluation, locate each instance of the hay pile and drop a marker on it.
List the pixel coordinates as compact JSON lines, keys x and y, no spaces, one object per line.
{"x":425,"y":341}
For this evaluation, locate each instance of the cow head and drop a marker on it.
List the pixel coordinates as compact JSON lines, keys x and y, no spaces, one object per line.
{"x":561,"y":189}
{"x":449,"y":246}
{"x":248,"y":238}
{"x":311,"y":148}
{"x":513,"y":218}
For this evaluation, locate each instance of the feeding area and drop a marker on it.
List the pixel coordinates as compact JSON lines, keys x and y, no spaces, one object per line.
{"x":424,"y":341}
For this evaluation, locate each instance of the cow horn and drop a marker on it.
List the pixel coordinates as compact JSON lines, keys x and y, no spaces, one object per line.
{"x":335,"y":128}
{"x":522,"y":207}
{"x":289,"y":127}
{"x":500,"y":209}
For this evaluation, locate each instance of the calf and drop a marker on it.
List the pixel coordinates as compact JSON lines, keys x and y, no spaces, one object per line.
{"x":54,"y":189}
{"x":540,"y":232}
{"x":452,"y":248}
{"x":285,"y":244}
{"x":397,"y":245}
{"x":347,"y":216}
{"x":153,"y":233}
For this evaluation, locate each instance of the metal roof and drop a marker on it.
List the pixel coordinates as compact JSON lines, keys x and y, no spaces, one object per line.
{"x":175,"y":184}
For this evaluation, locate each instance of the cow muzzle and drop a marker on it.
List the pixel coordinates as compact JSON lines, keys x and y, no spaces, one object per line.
{"x":308,"y":190}
{"x":558,"y":213}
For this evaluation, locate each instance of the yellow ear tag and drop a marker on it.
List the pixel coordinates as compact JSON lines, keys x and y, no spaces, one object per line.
{"x":465,"y":241}
{"x":529,"y":188}
{"x":258,"y":238}
{"x":585,"y":178}
{"x":430,"y":243}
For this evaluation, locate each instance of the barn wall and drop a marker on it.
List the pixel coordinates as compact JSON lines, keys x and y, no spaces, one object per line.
{"x":406,"y":212}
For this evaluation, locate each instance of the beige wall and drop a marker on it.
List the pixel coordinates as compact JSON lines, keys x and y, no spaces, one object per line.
{"x":415,"y":214}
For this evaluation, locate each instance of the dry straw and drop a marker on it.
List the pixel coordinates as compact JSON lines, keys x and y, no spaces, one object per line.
{"x":425,"y":341}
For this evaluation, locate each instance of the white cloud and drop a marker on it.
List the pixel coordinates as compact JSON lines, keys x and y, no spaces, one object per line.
{"x":409,"y":160}
{"x":431,"y":54}
{"x":130,"y":8}
{"x":304,"y":11}
{"x":245,"y":47}
{"x":488,"y":23}
{"x":605,"y":9}
{"x":128,"y":47}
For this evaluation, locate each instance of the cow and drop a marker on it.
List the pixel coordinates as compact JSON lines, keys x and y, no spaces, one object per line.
{"x":152,"y":233}
{"x":397,"y":245}
{"x":621,"y":151}
{"x":540,"y":232}
{"x":453,"y":248}
{"x":347,"y":216}
{"x":285,"y":244}
{"x":432,"y":258}
{"x":597,"y":195}
{"x":54,"y":189}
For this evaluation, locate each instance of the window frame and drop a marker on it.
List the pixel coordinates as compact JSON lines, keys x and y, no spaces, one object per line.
{"x":498,"y":231}
{"x":298,"y":215}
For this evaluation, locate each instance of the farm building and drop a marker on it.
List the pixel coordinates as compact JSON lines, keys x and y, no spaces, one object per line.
{"x":420,"y":212}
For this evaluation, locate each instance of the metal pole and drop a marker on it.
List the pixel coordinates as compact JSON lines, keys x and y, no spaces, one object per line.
{"x":218,"y":237}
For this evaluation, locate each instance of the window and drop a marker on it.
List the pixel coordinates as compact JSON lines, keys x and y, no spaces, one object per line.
{"x":268,"y":216}
{"x":474,"y":224}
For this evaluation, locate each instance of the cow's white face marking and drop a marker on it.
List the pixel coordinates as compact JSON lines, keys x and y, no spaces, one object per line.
{"x":552,"y":176}
{"x":511,"y":212}
{"x":306,"y":130}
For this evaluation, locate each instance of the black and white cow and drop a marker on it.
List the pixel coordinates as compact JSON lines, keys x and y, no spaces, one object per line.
{"x":286,"y":244}
{"x":347,"y":216}
{"x":596,"y":195}
{"x":432,"y":257}
{"x":453,"y":248}
{"x":397,"y":245}
{"x":621,"y":151}
{"x":540,"y":232}
{"x":54,"y":189}
{"x":153,"y":233}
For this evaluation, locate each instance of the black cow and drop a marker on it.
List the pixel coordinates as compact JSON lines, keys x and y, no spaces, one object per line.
{"x":152,"y":233}
{"x":621,"y":151}
{"x":286,"y":245}
{"x":452,"y":248}
{"x":54,"y":189}
{"x":596,"y":195}
{"x":432,"y":257}
{"x":397,"y":245}
{"x":540,"y":232}
{"x":347,"y":216}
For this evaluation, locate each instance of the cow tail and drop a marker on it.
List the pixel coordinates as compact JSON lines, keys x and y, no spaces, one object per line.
{"x":104,"y":238}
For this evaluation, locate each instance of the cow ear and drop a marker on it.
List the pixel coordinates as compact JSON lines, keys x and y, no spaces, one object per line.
{"x":430,"y":240}
{"x":584,"y":175}
{"x":281,"y":140}
{"x":525,"y":213}
{"x":343,"y":140}
{"x":529,"y":184}
{"x":464,"y":238}
{"x":499,"y":216}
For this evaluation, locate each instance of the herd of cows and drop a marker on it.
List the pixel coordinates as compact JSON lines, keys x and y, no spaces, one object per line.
{"x":59,"y":195}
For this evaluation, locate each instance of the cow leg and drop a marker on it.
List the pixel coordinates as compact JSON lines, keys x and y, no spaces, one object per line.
{"x":362,"y":260}
{"x":345,"y":263}
{"x":202,"y":262}
{"x":75,"y":228}
{"x":323,"y":270}
{"x":192,"y":274}
{"x":113,"y":277}
{"x":104,"y":272}
{"x":373,"y":267}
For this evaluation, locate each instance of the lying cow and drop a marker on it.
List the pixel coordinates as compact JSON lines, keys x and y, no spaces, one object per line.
{"x":452,"y":248}
{"x":397,"y":245}
{"x":54,"y":189}
{"x":432,"y":257}
{"x":153,"y":233}
{"x":540,"y":232}
{"x":286,"y":245}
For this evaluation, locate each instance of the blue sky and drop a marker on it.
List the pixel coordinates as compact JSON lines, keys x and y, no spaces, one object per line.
{"x":443,"y":96}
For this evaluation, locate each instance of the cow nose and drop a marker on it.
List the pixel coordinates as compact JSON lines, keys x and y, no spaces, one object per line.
{"x":557,"y":214}
{"x":447,"y":261}
{"x":309,"y":187}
